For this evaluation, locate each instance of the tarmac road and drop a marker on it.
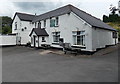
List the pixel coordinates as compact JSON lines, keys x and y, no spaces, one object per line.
{"x":23,"y":64}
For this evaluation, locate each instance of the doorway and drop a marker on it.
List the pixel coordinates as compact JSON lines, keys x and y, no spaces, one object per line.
{"x":34,"y":41}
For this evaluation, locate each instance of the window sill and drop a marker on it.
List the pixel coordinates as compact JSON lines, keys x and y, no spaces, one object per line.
{"x":56,"y":25}
{"x":43,"y":41}
{"x":79,"y":46}
{"x":43,"y":28}
{"x":57,"y":43}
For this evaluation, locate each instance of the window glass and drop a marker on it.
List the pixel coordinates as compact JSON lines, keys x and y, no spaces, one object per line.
{"x":43,"y":39}
{"x":39,"y":24}
{"x":44,"y":23}
{"x":114,"y":34}
{"x":15,"y":25}
{"x":79,"y":38}
{"x":57,"y":20}
{"x":56,"y":36}
{"x":52,"y":23}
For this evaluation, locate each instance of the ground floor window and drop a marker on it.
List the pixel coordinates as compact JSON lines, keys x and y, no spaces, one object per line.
{"x":56,"y":36}
{"x":114,"y":34}
{"x":43,"y":39}
{"x":31,"y":40}
{"x":79,"y":38}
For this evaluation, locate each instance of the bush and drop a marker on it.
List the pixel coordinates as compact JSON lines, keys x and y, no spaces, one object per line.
{"x":28,"y":44}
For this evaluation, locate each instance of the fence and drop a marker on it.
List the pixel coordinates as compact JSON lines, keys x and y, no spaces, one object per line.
{"x":6,"y":40}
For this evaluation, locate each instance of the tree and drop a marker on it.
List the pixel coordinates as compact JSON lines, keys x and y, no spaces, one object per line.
{"x":6,"y":25}
{"x":105,"y":18}
{"x":113,"y":17}
{"x":113,"y":9}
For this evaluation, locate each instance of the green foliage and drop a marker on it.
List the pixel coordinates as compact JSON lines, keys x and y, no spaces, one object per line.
{"x":111,"y":18}
{"x":6,"y":25}
{"x":6,"y":30}
{"x":105,"y":18}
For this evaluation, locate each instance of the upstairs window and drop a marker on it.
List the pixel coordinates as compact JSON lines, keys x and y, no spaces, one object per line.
{"x":39,"y":24}
{"x":44,"y":23}
{"x":52,"y":23}
{"x":15,"y":25}
{"x":57,"y":19}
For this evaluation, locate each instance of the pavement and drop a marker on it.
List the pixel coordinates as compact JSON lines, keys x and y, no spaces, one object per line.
{"x":24,"y":64}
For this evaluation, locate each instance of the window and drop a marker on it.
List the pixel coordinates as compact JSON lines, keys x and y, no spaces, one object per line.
{"x":31,"y":40}
{"x":39,"y":24}
{"x":44,"y":23}
{"x":114,"y":34}
{"x":43,"y":39}
{"x":52,"y":23}
{"x":56,"y":36}
{"x":79,"y":38}
{"x":57,"y":21}
{"x":35,"y":24}
{"x":15,"y":25}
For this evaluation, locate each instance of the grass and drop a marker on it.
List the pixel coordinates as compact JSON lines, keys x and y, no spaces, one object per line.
{"x":115,"y":25}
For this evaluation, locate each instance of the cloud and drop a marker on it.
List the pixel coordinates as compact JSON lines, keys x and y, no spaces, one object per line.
{"x":36,"y":7}
{"x":94,"y":7}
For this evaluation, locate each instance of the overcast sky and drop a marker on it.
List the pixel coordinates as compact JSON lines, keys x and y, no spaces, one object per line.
{"x":96,"y":8}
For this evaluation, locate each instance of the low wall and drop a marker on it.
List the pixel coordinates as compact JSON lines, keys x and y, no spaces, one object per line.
{"x":7,"y":40}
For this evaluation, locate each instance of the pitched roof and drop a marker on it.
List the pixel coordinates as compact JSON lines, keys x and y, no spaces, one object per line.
{"x":24,"y":17}
{"x":93,"y":21}
{"x":39,"y":32}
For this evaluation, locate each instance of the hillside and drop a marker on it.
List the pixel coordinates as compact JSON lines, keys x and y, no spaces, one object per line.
{"x":115,"y":25}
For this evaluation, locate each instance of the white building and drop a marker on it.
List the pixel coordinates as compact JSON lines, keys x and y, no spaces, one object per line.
{"x":68,"y":24}
{"x":119,"y":8}
{"x":22,"y":26}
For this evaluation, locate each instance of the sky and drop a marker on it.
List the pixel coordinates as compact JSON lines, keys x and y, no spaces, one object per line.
{"x":97,"y":8}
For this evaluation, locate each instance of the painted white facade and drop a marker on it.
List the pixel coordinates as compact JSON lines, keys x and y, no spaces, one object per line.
{"x":7,"y":40}
{"x":119,"y":8}
{"x":38,"y":40}
{"x":23,"y":30}
{"x":94,"y":37}
{"x":101,"y":38}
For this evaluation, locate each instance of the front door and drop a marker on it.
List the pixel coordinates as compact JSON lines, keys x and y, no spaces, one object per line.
{"x":18,"y":40}
{"x":34,"y":39}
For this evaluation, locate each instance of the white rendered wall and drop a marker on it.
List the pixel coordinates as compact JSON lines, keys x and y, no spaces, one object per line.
{"x":25,"y":38}
{"x":21,"y":25}
{"x":38,"y":40}
{"x":119,"y":8}
{"x":94,"y":38}
{"x":7,"y":40}
{"x":18,"y":25}
{"x":101,"y":38}
{"x":67,"y":24}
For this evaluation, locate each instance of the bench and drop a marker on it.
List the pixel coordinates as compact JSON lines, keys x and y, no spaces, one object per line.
{"x":45,"y":46}
{"x":67,"y":47}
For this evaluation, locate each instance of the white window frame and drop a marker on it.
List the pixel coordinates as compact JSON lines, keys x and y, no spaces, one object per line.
{"x":44,"y":24}
{"x":56,"y":35}
{"x":75,"y":38}
{"x":15,"y":25}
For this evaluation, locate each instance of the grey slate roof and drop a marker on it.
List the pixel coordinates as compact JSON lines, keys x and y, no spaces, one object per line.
{"x":93,"y":21}
{"x":39,"y":32}
{"x":25,"y":17}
